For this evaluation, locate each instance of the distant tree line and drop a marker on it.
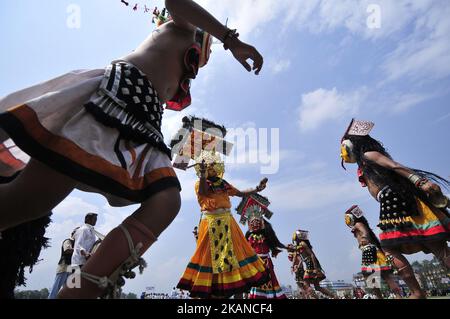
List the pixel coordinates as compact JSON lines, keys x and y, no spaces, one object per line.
{"x":32,"y":294}
{"x":432,"y":276}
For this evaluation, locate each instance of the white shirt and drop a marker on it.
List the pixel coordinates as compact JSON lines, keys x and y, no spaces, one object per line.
{"x":84,"y":240}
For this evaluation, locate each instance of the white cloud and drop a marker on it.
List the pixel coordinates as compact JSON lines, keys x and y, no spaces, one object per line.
{"x":58,"y":231}
{"x":111,"y":217}
{"x":187,"y":181}
{"x":171,"y":123}
{"x":324,"y":105}
{"x":74,"y":206}
{"x":312,"y":193}
{"x":404,"y":102}
{"x":443,"y":118}
{"x":318,"y":15}
{"x":425,"y":54}
{"x":280,"y":66}
{"x":247,"y":15}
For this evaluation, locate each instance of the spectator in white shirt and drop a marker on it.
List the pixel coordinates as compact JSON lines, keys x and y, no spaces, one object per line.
{"x":84,"y":240}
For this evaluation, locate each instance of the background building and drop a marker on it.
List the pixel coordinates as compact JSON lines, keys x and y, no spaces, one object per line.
{"x":340,"y":287}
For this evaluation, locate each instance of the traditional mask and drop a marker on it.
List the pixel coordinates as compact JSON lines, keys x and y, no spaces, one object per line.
{"x":204,"y":40}
{"x":355,"y":128}
{"x":255,"y":224}
{"x":352,"y":214}
{"x":350,"y":220}
{"x":347,"y":154}
{"x":299,"y":235}
{"x":213,"y":162}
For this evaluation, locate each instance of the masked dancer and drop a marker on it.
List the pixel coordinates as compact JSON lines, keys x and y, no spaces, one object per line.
{"x":413,"y":211}
{"x":374,"y":261}
{"x":302,"y":251}
{"x":224,"y":263}
{"x":264,"y":242}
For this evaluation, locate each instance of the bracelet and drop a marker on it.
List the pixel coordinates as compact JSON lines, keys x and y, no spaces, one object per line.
{"x":231,"y":34}
{"x":421,"y":182}
{"x":414,"y":178}
{"x":417,"y":180}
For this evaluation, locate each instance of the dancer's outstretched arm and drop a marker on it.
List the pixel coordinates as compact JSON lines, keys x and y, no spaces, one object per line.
{"x":259,"y":188}
{"x":363,"y":240}
{"x":187,"y":13}
{"x":384,"y":161}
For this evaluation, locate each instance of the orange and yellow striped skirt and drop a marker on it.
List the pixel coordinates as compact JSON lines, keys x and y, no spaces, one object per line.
{"x":224,"y":263}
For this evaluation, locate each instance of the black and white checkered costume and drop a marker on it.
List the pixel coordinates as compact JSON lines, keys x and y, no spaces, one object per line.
{"x":126,"y":100}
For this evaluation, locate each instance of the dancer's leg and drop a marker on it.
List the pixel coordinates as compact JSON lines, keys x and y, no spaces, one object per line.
{"x":32,"y":194}
{"x":326,"y":292}
{"x":393,"y":286}
{"x":144,"y":226}
{"x":406,"y":273}
{"x":377,"y":292}
{"x":441,"y":251}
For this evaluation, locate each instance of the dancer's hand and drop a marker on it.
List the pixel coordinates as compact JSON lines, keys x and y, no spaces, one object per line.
{"x":364,"y":242}
{"x":431,"y":188}
{"x":262,"y":185}
{"x":202,"y":168}
{"x":435,"y":195}
{"x":85,"y":254}
{"x":275,"y":253}
{"x":242,"y":52}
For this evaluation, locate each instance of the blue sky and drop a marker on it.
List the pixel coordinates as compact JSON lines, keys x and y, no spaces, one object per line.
{"x":323,"y":66}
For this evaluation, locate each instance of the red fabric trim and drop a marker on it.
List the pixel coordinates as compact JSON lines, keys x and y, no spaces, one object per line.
{"x":397,"y":234}
{"x":368,"y":269}
{"x":187,"y":285}
{"x":9,"y":160}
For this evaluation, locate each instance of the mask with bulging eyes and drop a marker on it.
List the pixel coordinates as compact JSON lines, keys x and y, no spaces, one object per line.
{"x":256,"y":224}
{"x":347,"y":154}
